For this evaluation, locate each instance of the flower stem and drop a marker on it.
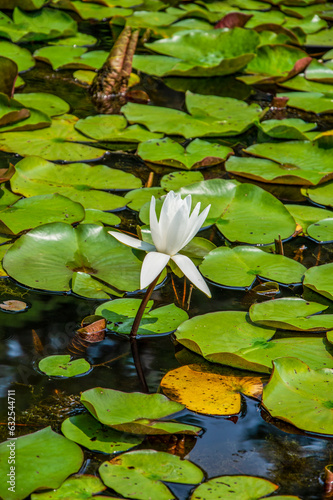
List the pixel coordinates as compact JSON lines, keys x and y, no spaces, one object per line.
{"x":141,"y":310}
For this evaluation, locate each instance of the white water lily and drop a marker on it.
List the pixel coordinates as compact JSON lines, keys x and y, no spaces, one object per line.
{"x":172,"y":232}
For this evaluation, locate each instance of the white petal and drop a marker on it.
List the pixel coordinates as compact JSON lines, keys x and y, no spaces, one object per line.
{"x":152,"y":266}
{"x":132,"y":242}
{"x":195,"y":224}
{"x":154,"y":226}
{"x":191,"y":272}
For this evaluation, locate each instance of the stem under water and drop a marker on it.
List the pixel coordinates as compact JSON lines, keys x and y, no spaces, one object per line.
{"x":134,"y":330}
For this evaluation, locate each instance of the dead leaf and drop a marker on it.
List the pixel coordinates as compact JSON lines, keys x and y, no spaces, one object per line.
{"x":13,"y":305}
{"x":93,"y":332}
{"x":233,"y":20}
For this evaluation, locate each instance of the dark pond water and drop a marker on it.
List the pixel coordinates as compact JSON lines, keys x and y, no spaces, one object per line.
{"x":249,"y":443}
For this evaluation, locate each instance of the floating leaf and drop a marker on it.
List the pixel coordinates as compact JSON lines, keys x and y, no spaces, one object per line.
{"x":320,"y":72}
{"x":49,"y":104}
{"x":323,"y":195}
{"x":36,"y":176}
{"x":88,"y":432}
{"x":200,"y":53}
{"x":197,"y":154}
{"x":323,"y":38}
{"x":136,"y":198}
{"x":134,"y":412}
{"x":305,"y":160}
{"x":287,"y":128}
{"x":322,"y":230}
{"x":300,"y":395}
{"x":176,"y":180}
{"x":217,"y":390}
{"x":11,"y":111}
{"x":113,"y":128}
{"x":58,"y":142}
{"x":237,"y":488}
{"x":43,"y":459}
{"x":240,"y":266}
{"x":305,"y":215}
{"x":13,"y":306}
{"x":62,"y":366}
{"x":78,"y":40}
{"x":75,"y":488}
{"x":139,"y":474}
{"x":320,"y":279}
{"x":71,"y":58}
{"x":301,"y":83}
{"x":291,"y":313}
{"x":315,"y":102}
{"x":209,"y":116}
{"x":121,"y":313}
{"x":228,"y":338}
{"x":63,"y":250}
{"x":93,"y":216}
{"x":89,"y":10}
{"x":21,"y":56}
{"x":28,"y":213}
{"x":45,"y":24}
{"x":275,"y":63}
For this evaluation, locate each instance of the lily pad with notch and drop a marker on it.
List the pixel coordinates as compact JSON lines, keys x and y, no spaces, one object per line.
{"x":305,"y":215}
{"x":35,"y":176}
{"x":49,"y":104}
{"x":59,"y":251}
{"x":200,"y":53}
{"x":240,"y":267}
{"x":88,"y":432}
{"x":196,"y":154}
{"x":292,"y":313}
{"x":300,"y":395}
{"x":315,"y":102}
{"x":63,"y":366}
{"x":287,"y":128}
{"x":207,"y":116}
{"x":229,"y":338}
{"x":178,"y":179}
{"x":120,"y":314}
{"x":71,"y":58}
{"x":60,"y":141}
{"x":322,"y":230}
{"x":135,"y":412}
{"x":323,"y":195}
{"x":320,"y":279}
{"x":44,"y":459}
{"x":81,"y":487}
{"x":139,"y":474}
{"x":113,"y":128}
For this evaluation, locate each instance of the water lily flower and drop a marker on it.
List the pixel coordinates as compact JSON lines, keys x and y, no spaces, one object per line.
{"x":173,"y":231}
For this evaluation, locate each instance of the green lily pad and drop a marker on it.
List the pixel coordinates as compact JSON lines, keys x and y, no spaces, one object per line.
{"x":274,"y":63}
{"x":7,"y":197}
{"x":176,"y":180}
{"x":79,"y":182}
{"x":320,"y":72}
{"x":89,"y":10}
{"x":8,"y":76}
{"x":291,"y":313}
{"x":85,"y":285}
{"x":323,"y":195}
{"x":136,"y":198}
{"x":78,"y":40}
{"x":44,"y":24}
{"x":322,"y":230}
{"x":11,"y":111}
{"x":28,"y":213}
{"x":240,"y":267}
{"x":197,"y":154}
{"x":300,"y":395}
{"x":305,"y":160}
{"x":134,"y":412}
{"x":209,"y":116}
{"x":237,"y":488}
{"x":93,"y":216}
{"x":229,"y":338}
{"x":21,"y":56}
{"x":244,"y":213}
{"x":113,"y":128}
{"x":49,"y":104}
{"x":287,"y":128}
{"x":304,"y":11}
{"x":75,"y":488}
{"x":71,"y":58}
{"x":305,"y":216}
{"x":120,"y":314}
{"x":62,"y":366}
{"x":88,"y":432}
{"x":32,"y":119}
{"x":63,"y":250}
{"x":264,"y":17}
{"x":323,"y":38}
{"x":309,"y":25}
{"x":60,"y":141}
{"x":320,"y":279}
{"x":43,"y":459}
{"x":316,"y":102}
{"x":200,"y":53}
{"x":299,"y":82}
{"x":139,"y":474}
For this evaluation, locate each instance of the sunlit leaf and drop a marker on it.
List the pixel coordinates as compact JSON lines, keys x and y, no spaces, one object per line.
{"x":62,"y":366}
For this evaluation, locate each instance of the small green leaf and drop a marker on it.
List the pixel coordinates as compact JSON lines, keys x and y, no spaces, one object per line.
{"x":62,"y":366}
